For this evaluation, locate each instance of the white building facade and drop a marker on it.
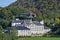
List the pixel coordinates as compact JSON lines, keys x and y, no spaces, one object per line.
{"x":30,"y":28}
{"x":27,"y":27}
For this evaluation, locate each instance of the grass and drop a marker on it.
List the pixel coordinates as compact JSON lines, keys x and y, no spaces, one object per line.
{"x":40,"y":38}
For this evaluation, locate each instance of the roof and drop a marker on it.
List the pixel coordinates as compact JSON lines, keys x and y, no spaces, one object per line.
{"x":25,"y":14}
{"x":22,"y":28}
{"x":27,"y":21}
{"x":38,"y":22}
{"x":17,"y":21}
{"x":28,"y":15}
{"x":46,"y":27}
{"x":21,"y":21}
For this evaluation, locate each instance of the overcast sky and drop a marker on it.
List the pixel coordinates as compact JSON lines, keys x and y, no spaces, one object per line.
{"x":4,"y":3}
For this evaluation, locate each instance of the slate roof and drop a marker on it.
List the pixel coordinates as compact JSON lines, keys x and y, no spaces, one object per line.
{"x":17,"y":21}
{"x":37,"y":23}
{"x":25,"y":14}
{"x":45,"y":27}
{"x":22,"y":28}
{"x":21,"y":21}
{"x":28,"y":15}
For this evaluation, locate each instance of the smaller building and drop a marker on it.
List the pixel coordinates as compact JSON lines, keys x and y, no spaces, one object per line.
{"x":28,"y":15}
{"x":23,"y":31}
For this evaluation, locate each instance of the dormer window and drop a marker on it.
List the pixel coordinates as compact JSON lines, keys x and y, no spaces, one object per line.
{"x":17,"y":19}
{"x":42,"y":22}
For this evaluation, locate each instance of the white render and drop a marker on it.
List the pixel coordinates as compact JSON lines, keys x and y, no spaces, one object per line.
{"x":34,"y":30}
{"x":24,"y":33}
{"x":13,"y":24}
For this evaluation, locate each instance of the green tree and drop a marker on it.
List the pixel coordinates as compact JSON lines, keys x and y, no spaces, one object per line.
{"x":13,"y":33}
{"x":1,"y":33}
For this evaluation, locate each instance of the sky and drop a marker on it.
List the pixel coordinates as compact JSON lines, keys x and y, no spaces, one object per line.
{"x":4,"y":3}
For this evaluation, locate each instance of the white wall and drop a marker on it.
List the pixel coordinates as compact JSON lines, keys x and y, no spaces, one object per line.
{"x":36,"y":28}
{"x":14,"y":24}
{"x":24,"y":33}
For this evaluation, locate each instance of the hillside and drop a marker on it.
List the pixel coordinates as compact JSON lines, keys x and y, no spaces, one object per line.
{"x":45,"y":7}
